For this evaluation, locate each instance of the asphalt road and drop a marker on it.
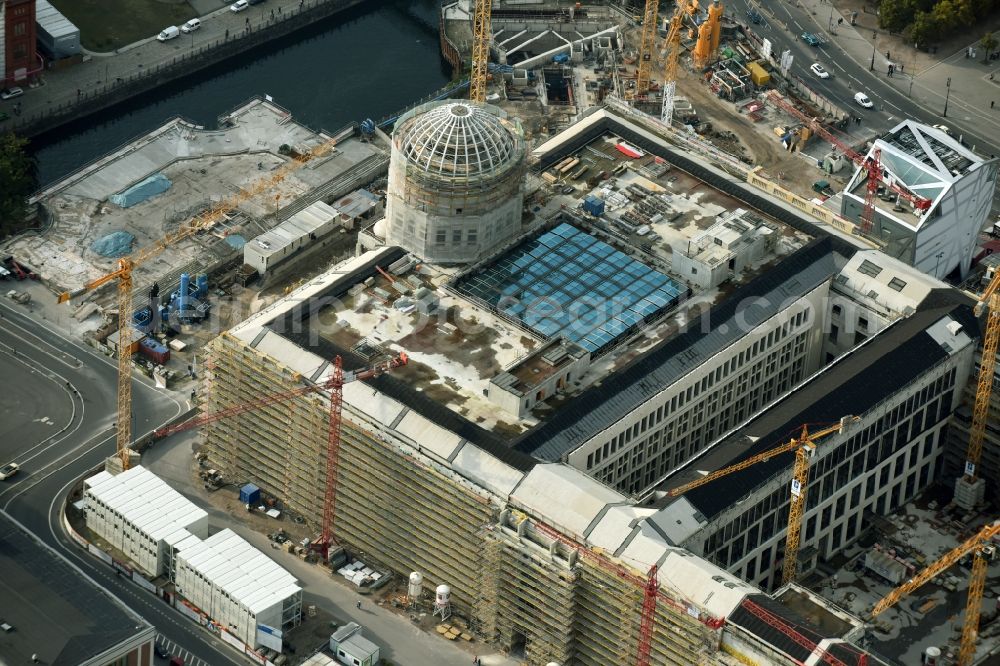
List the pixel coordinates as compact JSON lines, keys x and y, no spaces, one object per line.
{"x":848,"y":75}
{"x":39,"y":358}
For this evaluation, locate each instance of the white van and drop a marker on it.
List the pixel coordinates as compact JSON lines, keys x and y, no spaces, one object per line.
{"x":169,"y":33}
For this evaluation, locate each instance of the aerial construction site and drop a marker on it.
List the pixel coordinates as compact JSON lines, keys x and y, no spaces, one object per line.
{"x":608,"y":388}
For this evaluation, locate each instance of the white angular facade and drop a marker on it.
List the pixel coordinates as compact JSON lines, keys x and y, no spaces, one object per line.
{"x":930,"y":164}
{"x":456,"y":181}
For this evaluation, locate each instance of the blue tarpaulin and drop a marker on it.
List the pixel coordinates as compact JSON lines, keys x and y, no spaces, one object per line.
{"x":146,"y":189}
{"x":115,"y":244}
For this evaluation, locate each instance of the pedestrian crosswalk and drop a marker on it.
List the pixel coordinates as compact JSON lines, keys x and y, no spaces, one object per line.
{"x":175,"y":650}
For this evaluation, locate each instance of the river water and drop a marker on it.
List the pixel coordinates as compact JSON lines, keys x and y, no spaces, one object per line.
{"x":364,"y":63}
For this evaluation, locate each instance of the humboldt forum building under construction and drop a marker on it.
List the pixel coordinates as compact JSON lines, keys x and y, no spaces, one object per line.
{"x":571,"y":358}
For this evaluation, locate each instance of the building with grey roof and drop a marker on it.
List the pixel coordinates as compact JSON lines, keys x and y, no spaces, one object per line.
{"x":57,"y":37}
{"x":60,"y":615}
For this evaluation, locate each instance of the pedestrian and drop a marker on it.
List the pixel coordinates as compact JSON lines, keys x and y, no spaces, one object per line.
{"x":272,"y":13}
{"x":900,"y":68}
{"x":359,"y":605}
{"x":227,"y":34}
{"x":78,"y":93}
{"x":279,"y":9}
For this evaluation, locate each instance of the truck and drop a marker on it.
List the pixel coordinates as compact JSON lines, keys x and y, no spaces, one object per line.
{"x":19,"y":296}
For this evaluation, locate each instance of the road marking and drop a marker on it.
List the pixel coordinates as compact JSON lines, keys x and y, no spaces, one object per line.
{"x":77,"y":363}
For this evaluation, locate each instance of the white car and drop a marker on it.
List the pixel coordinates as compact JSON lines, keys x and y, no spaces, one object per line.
{"x":8,"y":471}
{"x":239,"y":6}
{"x":818,"y":70}
{"x":191,"y":25}
{"x":862,"y":100}
{"x":11,"y":93}
{"x":945,"y":129}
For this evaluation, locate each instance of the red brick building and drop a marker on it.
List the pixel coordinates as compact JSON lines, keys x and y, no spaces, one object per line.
{"x":20,"y":58}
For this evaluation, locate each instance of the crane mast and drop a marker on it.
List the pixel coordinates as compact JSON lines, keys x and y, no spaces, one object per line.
{"x":670,"y":70}
{"x":481,"y":34}
{"x":990,"y":302}
{"x":646,"y":47}
{"x":804,"y":446}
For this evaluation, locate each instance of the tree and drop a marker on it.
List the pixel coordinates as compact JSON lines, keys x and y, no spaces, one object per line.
{"x":988,"y":43}
{"x":17,"y":181}
{"x":922,"y":30}
{"x":895,"y":15}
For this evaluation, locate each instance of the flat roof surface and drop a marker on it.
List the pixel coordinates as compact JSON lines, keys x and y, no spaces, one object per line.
{"x":567,"y":283}
{"x":754,"y":623}
{"x":251,"y":578}
{"x":55,"y":612}
{"x":144,"y":499}
{"x":52,"y":21}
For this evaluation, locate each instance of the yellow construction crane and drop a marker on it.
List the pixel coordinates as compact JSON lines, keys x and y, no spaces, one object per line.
{"x":123,"y":274}
{"x":977,"y":581}
{"x":482,"y":32}
{"x":804,"y":446}
{"x":990,"y":301}
{"x":646,"y":47}
{"x":673,"y":55}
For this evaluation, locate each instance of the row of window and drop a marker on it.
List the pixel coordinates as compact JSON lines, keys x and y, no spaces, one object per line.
{"x":883,"y":454}
{"x":722,"y":372}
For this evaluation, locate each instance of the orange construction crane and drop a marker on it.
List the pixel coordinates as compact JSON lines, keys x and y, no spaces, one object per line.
{"x":872,"y":166}
{"x":977,"y":581}
{"x":123,"y":274}
{"x":804,"y":446}
{"x":482,"y":33}
{"x":990,"y":302}
{"x":335,"y":384}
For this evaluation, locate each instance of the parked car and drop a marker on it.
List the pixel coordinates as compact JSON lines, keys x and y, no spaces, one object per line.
{"x":811,"y":39}
{"x":191,"y":25}
{"x":945,"y":129}
{"x":819,"y":70}
{"x":11,"y":93}
{"x":160,"y":651}
{"x":8,"y":470}
{"x":169,"y":33}
{"x":862,"y":100}
{"x":239,"y":6}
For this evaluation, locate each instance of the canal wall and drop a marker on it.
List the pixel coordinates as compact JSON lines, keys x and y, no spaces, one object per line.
{"x":94,"y":99}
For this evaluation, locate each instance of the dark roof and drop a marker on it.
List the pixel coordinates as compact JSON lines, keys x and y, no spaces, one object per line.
{"x":851,"y":386}
{"x":55,"y":612}
{"x":781,"y":641}
{"x":620,"y":393}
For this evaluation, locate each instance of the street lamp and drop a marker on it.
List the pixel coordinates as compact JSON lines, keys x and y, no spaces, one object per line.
{"x":871,"y":67}
{"x":947,"y":95}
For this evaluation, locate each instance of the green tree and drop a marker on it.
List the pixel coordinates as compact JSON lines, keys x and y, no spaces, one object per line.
{"x":922,"y":30}
{"x":946,"y":17}
{"x":895,"y":15}
{"x":988,"y":43}
{"x":17,"y":180}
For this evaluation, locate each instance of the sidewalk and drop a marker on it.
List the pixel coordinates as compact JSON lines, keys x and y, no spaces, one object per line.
{"x":924,"y":77}
{"x":105,"y":79}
